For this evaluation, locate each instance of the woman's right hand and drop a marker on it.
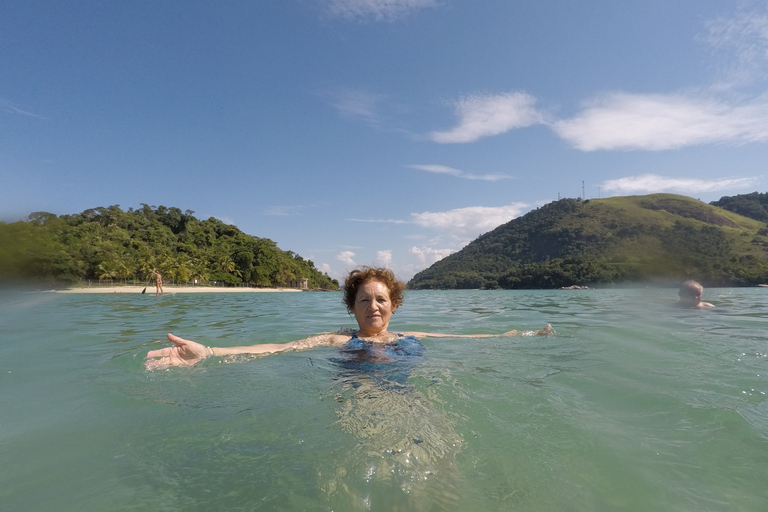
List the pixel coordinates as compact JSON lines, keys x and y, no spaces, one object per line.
{"x":183,"y":353}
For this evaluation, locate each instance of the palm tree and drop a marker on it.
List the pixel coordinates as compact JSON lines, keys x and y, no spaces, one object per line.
{"x":183,"y":268}
{"x":227,"y":265}
{"x":200,"y":270}
{"x":108,"y":269}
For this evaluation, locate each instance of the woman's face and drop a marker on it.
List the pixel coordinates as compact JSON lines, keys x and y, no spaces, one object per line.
{"x":373,"y":308}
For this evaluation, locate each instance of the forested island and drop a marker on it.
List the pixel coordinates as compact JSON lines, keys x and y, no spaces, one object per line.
{"x":109,"y":243}
{"x":657,"y":238}
{"x":660,"y":238}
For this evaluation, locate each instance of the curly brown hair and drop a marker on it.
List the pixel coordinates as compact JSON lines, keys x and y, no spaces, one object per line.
{"x":362,"y":275}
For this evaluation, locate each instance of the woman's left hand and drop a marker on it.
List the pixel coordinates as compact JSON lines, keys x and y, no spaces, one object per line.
{"x":546,"y":331}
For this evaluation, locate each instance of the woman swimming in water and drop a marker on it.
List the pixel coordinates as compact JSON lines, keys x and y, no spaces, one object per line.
{"x":371,"y":294}
{"x":405,"y":456}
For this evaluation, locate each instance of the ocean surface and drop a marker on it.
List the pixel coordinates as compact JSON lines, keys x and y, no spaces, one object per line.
{"x":634,"y":405}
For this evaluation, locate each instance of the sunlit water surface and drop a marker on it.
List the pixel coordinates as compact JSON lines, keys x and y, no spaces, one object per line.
{"x":634,"y":405}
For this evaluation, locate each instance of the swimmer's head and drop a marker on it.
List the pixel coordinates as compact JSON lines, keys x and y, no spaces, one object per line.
{"x":690,"y":293}
{"x":359,"y":277}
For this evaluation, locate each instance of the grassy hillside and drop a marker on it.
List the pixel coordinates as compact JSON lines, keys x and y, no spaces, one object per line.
{"x":615,"y":240}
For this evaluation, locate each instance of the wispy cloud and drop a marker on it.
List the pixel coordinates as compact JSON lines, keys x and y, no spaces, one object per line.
{"x":450,"y":171}
{"x":461,"y":222}
{"x":621,"y":121}
{"x":282,"y":210}
{"x":654,"y":122}
{"x":287,"y":210}
{"x":346,"y":258}
{"x":379,"y":10}
{"x":384,"y":258}
{"x":381,"y":221}
{"x":648,"y":183}
{"x":741,"y":42}
{"x":229,"y":221}
{"x":10,"y":107}
{"x":455,"y":228}
{"x":469,"y":222}
{"x":357,"y":104}
{"x":429,"y":255}
{"x":485,"y":115}
{"x":618,"y":121}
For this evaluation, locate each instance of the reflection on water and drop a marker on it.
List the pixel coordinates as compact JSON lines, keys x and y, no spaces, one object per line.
{"x":406,"y":451}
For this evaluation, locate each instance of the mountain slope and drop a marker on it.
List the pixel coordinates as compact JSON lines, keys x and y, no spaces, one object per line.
{"x":613,"y":240}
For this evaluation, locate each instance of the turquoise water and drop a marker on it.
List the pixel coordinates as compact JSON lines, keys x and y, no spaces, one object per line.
{"x":634,"y":405}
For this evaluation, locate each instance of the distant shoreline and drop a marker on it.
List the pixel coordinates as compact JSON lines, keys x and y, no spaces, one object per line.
{"x":150,"y":290}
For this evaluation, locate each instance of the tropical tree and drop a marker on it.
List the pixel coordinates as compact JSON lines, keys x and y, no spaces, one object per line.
{"x":109,"y":243}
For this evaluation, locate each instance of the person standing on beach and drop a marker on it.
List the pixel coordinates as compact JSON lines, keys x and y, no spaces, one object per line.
{"x":158,"y":283}
{"x":690,"y":295}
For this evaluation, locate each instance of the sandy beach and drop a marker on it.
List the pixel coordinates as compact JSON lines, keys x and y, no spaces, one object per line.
{"x":169,"y":290}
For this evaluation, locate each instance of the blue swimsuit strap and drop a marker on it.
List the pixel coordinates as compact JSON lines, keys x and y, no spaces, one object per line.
{"x":399,"y":335}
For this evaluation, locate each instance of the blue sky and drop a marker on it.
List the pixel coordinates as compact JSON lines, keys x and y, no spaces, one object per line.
{"x":378,"y":132}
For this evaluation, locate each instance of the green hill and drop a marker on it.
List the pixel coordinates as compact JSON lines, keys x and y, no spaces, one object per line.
{"x":754,"y":205}
{"x":658,"y":237}
{"x":109,"y":243}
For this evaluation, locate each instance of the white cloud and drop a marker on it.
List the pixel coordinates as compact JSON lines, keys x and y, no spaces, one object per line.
{"x":469,"y":222}
{"x":226,"y":220}
{"x":443,"y":169}
{"x":651,"y":122}
{"x":282,"y":210}
{"x":380,"y":10}
{"x":486,"y":115}
{"x":455,"y":229}
{"x":11,"y":108}
{"x":288,"y":209}
{"x":380,"y":221}
{"x":742,"y":42}
{"x":384,"y":258}
{"x":357,"y":104}
{"x":653,"y":183}
{"x":346,"y":258}
{"x":427,"y":255}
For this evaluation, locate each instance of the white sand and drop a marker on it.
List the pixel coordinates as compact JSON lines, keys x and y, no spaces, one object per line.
{"x":174,"y":289}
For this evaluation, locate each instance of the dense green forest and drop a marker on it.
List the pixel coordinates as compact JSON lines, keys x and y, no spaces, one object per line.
{"x":754,"y":205}
{"x":619,"y":240}
{"x":109,"y":243}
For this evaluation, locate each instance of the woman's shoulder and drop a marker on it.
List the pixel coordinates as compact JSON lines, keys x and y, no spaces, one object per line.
{"x":340,"y":337}
{"x":335,"y":339}
{"x":404,"y":337}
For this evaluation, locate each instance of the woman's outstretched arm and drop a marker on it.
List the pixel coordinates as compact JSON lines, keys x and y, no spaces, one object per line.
{"x":188,"y":352}
{"x":547,"y":330}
